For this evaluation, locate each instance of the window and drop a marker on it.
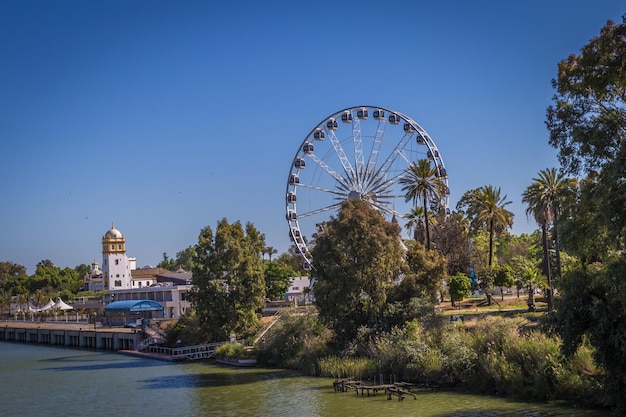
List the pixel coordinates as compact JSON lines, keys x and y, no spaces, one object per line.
{"x":117,"y":275}
{"x":117,"y":262}
{"x":118,"y":283}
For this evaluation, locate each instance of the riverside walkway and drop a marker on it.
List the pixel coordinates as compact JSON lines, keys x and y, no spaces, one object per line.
{"x":129,"y":341}
{"x":70,"y":334}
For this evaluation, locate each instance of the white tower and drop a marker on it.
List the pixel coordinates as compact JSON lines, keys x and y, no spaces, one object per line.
{"x":115,"y":264}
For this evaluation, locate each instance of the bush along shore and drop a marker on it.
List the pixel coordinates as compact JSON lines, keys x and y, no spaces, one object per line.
{"x":511,"y":355}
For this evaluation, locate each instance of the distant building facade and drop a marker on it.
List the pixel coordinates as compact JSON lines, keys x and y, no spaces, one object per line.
{"x":300,"y":289}
{"x":94,"y":281}
{"x":116,"y":266}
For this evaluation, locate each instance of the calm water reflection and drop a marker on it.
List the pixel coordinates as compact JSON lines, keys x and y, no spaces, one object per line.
{"x":48,"y":381}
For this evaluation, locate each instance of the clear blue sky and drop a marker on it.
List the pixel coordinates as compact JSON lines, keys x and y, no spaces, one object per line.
{"x":165,"y":117}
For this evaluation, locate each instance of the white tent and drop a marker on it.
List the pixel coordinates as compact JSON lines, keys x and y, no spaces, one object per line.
{"x":48,"y":306}
{"x":61,"y":305}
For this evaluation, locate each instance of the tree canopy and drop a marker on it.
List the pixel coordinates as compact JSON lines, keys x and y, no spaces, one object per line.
{"x":228,"y":279}
{"x":422,"y":183}
{"x":587,"y":122}
{"x":357,"y":257}
{"x":587,"y":125}
{"x":485,"y":209}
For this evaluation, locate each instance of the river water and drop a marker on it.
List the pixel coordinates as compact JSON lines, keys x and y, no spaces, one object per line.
{"x":51,"y":381}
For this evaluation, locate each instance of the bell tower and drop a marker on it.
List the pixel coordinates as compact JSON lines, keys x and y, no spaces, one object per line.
{"x":115,"y":264}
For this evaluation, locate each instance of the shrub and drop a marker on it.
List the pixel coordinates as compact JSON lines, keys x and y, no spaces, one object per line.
{"x":232,"y":351}
{"x":296,"y":342}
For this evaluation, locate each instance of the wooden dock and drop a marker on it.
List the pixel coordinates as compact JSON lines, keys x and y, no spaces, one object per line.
{"x":399,"y":389}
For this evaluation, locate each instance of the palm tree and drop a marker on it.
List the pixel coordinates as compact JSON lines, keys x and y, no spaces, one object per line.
{"x":416,"y":224}
{"x":531,"y":278}
{"x":421,"y":182}
{"x":486,"y":209}
{"x":544,"y":198}
{"x":270,"y":250}
{"x":540,"y":209}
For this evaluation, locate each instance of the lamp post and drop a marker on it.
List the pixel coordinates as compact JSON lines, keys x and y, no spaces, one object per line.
{"x":95,"y":314}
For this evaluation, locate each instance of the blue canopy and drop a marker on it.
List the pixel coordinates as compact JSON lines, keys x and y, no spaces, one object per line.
{"x":134,"y":305}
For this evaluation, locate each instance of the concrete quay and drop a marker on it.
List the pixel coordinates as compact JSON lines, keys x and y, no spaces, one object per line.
{"x":67,"y":334}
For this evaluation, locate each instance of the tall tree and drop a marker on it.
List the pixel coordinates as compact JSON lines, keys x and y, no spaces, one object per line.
{"x":583,"y":232}
{"x":423,"y":277}
{"x":451,"y":238}
{"x":460,"y":287}
{"x":184,"y":260}
{"x":504,"y":277}
{"x":228,"y":278}
{"x":587,"y":125}
{"x":421,"y":183}
{"x":485,"y":209}
{"x":532,"y":279}
{"x":358,"y":255}
{"x":277,"y":279}
{"x":544,"y":198}
{"x":10,"y":270}
{"x":270,"y":250}
{"x":415,"y":223}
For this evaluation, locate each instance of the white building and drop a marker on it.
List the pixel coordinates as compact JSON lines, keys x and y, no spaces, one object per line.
{"x":300,"y":289}
{"x":93,"y":281}
{"x":171,"y":291}
{"x":116,"y":266}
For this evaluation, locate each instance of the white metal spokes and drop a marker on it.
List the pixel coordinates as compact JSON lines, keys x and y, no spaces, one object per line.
{"x":345,"y":162}
{"x":350,"y":155}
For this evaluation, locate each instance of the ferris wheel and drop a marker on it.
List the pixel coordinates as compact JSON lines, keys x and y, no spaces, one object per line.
{"x":356,"y":153}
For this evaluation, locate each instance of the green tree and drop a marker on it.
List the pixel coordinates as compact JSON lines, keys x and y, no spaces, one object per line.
{"x":167,"y":263}
{"x":485,"y":209}
{"x":270,"y":250}
{"x":293,"y":260}
{"x":277,"y":280}
{"x":228,"y":279}
{"x":591,"y":306}
{"x":184,"y":260}
{"x":584,"y":233}
{"x":544,"y":198}
{"x":415,"y":223}
{"x":358,"y":256}
{"x":587,"y":124}
{"x":82,"y":270}
{"x":460,"y":287}
{"x":450,"y":237}
{"x":486,"y":279}
{"x":510,"y":246}
{"x":9,"y":270}
{"x":532,"y":279}
{"x":421,"y":182}
{"x":423,"y":276}
{"x":504,"y":277}
{"x":5,"y":303}
{"x":519,"y":264}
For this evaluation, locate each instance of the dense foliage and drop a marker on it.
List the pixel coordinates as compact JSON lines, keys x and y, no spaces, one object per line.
{"x":587,"y":125}
{"x":228,"y":278}
{"x":358,"y":256}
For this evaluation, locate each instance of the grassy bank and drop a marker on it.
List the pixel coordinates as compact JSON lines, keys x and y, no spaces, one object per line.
{"x":491,"y":350}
